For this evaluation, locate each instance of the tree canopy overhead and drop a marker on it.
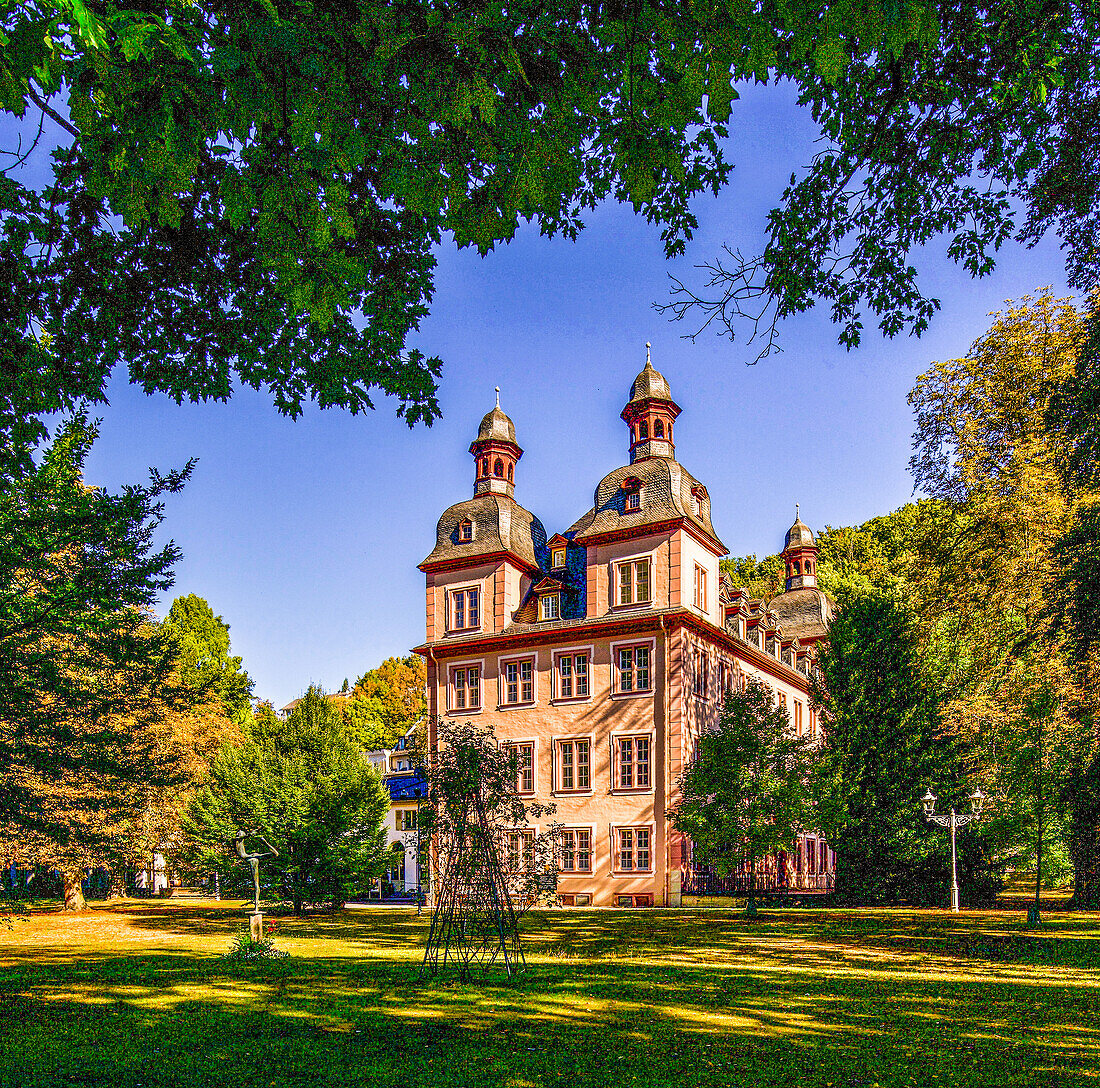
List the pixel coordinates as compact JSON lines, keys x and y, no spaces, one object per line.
{"x":251,"y":193}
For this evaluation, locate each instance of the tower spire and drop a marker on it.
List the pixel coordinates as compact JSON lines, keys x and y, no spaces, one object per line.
{"x":495,"y":454}
{"x":650,"y":413}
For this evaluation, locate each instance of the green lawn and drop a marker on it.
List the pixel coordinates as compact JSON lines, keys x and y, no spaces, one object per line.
{"x":133,"y":994}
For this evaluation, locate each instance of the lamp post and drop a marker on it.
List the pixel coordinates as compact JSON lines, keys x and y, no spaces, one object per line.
{"x":955,"y":820}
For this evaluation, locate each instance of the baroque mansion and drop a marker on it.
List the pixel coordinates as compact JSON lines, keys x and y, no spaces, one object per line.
{"x":601,"y":652}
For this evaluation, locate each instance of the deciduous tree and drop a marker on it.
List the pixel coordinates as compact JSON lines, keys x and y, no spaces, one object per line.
{"x":304,"y":785}
{"x":745,"y":795}
{"x":253,"y":193}
{"x":204,"y":660}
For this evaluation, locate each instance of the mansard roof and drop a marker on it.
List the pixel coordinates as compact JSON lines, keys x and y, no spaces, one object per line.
{"x":802,"y":613}
{"x":666,"y":488}
{"x":500,"y":525}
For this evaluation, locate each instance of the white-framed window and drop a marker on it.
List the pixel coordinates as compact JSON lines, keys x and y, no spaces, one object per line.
{"x":408,"y":820}
{"x":633,"y":668}
{"x":464,"y":608}
{"x":700,"y":588}
{"x":576,"y":850}
{"x":632,"y":500}
{"x":550,"y":606}
{"x":632,"y":850}
{"x":574,"y":765}
{"x":724,"y":684}
{"x":632,"y":755}
{"x":632,"y":581}
{"x":465,"y":531}
{"x":571,"y":674}
{"x":517,"y":681}
{"x":519,"y":846}
{"x":465,"y":687}
{"x":702,"y":674}
{"x":798,"y":717}
{"x":557,"y":557}
{"x":525,"y":764}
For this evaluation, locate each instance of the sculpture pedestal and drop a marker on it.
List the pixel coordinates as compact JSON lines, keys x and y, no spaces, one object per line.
{"x":256,"y":925}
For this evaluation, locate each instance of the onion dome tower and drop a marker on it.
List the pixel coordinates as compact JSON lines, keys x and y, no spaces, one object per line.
{"x":800,"y":555}
{"x":495,"y":454}
{"x":649,"y":414}
{"x":802,"y":610}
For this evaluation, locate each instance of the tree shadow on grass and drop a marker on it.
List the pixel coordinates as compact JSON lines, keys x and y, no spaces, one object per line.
{"x":750,"y":1018}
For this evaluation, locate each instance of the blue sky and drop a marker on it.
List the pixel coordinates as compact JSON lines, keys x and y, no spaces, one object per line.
{"x":305,"y":535}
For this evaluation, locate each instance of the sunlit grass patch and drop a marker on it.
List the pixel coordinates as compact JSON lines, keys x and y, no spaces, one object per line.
{"x":134,"y":993}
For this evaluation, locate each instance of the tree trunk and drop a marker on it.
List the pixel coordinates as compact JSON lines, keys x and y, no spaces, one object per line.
{"x":73,"y":894}
{"x":118,"y":888}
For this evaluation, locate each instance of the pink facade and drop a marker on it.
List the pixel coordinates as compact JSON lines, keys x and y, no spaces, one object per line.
{"x":603,"y":651}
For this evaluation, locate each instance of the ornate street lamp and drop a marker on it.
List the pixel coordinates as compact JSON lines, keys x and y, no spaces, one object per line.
{"x":955,"y":820}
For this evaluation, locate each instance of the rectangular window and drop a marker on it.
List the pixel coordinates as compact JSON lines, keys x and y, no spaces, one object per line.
{"x":573,"y":676}
{"x":466,"y":688}
{"x":633,"y":849}
{"x":518,"y":682}
{"x":550,"y":606}
{"x":557,"y":557}
{"x":519,"y":847}
{"x":632,"y":761}
{"x":700,"y":588}
{"x":408,"y":820}
{"x":576,"y":850}
{"x":575,"y":763}
{"x":634,"y":500}
{"x":634,"y":668}
{"x":634,"y":582}
{"x":465,"y":610}
{"x":725,"y":685}
{"x":798,"y":717}
{"x":525,"y":766}
{"x":702,"y":673}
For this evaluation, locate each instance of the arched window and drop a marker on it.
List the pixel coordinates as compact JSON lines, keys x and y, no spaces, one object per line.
{"x":509,"y":473}
{"x":659,"y":429}
{"x":807,"y":566}
{"x":485,"y":466}
{"x":498,"y":468}
{"x":645,"y":430}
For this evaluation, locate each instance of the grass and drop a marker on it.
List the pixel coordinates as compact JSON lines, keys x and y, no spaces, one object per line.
{"x":133,"y":994}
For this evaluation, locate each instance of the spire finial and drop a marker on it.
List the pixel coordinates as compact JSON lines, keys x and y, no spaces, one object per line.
{"x":796,"y":511}
{"x":498,"y":396}
{"x":647,"y":346}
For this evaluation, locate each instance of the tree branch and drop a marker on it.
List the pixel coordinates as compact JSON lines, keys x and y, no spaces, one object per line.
{"x":50,"y":112}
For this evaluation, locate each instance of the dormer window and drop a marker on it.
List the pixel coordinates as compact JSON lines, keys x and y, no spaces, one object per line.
{"x":557,"y":557}
{"x":550,"y":606}
{"x":632,"y":494}
{"x":465,"y":531}
{"x":697,"y":497}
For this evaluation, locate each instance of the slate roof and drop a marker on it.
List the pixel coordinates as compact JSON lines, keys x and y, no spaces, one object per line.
{"x":497,"y":425}
{"x":666,"y":496}
{"x":802,"y":613}
{"x":798,"y":534}
{"x":649,"y":384}
{"x":407,"y":787}
{"x":500,"y":524}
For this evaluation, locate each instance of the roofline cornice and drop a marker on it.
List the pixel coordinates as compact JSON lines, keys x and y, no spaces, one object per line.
{"x":651,"y":529}
{"x":649,"y":621}
{"x":458,"y":562}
